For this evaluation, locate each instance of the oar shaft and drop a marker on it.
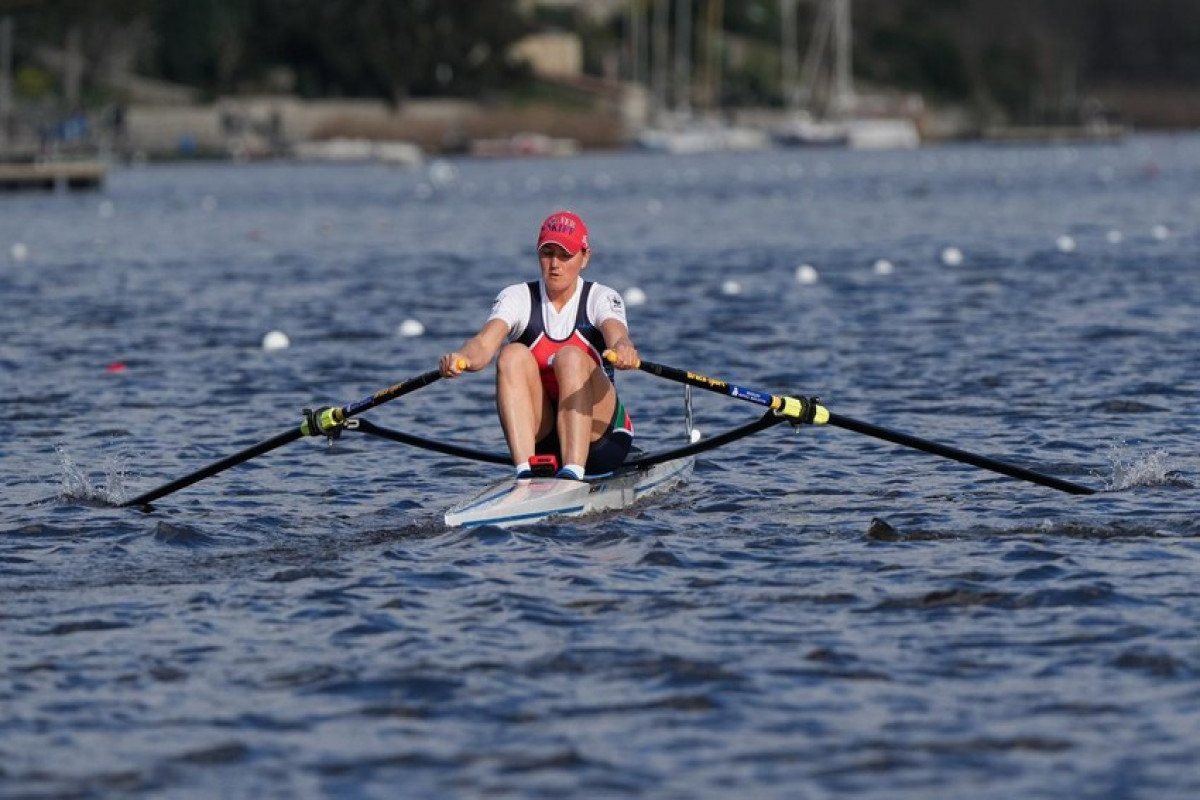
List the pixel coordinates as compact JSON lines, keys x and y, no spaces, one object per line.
{"x":390,"y":393}
{"x":975,"y":460}
{"x":809,"y":411}
{"x":774,"y":402}
{"x":212,"y":469}
{"x":368,"y":427}
{"x":322,"y":422}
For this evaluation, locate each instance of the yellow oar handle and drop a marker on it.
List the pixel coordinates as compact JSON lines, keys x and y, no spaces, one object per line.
{"x":611,"y":358}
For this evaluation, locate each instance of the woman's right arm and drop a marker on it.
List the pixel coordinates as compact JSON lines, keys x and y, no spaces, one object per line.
{"x":477,"y":352}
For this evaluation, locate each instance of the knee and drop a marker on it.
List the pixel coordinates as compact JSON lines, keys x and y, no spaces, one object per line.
{"x":572,"y":361}
{"x":514,"y":357}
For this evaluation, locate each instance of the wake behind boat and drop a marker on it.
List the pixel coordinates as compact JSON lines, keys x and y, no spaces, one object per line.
{"x":511,"y":503}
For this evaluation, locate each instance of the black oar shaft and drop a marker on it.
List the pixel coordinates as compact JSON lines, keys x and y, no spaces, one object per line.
{"x":364,"y":426}
{"x":212,"y":469}
{"x":975,"y":460}
{"x":390,"y":393}
{"x":762,"y":423}
{"x":784,"y":405}
{"x":711,"y":384}
{"x":331,"y":417}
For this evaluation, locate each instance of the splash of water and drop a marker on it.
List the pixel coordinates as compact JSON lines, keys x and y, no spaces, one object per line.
{"x":1137,"y":469}
{"x":76,"y":485}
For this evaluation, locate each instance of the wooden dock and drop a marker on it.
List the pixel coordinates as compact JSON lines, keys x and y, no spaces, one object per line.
{"x":52,"y":175}
{"x":1095,"y":133}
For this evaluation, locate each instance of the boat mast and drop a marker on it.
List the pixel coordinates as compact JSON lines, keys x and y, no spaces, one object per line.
{"x":833,"y":22}
{"x":715,"y":15}
{"x":6,"y":56}
{"x":635,"y":42}
{"x":843,"y":87}
{"x":683,"y":56}
{"x":662,"y":45}
{"x":787,"y":18}
{"x":813,"y":57}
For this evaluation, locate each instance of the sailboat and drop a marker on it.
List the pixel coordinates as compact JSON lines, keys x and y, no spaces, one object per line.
{"x":845,"y":123}
{"x":680,"y":131}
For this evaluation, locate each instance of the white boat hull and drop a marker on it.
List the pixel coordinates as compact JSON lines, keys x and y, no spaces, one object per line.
{"x":511,"y":503}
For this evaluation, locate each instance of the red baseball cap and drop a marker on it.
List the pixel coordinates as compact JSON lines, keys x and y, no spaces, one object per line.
{"x":566,"y":230}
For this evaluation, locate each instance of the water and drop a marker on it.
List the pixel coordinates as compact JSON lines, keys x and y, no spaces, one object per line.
{"x":818,"y":614}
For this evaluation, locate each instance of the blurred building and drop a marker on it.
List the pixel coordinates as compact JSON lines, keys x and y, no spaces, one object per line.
{"x":595,"y":9}
{"x":553,"y":54}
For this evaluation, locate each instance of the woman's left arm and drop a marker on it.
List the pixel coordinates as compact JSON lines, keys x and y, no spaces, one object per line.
{"x":616,"y":337}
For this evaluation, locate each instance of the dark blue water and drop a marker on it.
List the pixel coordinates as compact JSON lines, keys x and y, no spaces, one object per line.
{"x":818,"y":614}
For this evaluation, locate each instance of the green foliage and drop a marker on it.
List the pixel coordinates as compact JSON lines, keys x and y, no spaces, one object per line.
{"x":757,"y":19}
{"x":1010,"y":54}
{"x":350,"y":48}
{"x":1009,"y":79}
{"x":33,"y":83}
{"x":922,"y":58}
{"x":755,"y":80}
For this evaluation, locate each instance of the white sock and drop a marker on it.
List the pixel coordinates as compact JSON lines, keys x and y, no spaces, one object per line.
{"x":575,"y":469}
{"x":524,"y":465}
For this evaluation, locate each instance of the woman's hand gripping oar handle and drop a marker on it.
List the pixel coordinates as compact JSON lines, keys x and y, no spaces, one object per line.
{"x":321,"y":422}
{"x":810,"y":410}
{"x":797,"y":409}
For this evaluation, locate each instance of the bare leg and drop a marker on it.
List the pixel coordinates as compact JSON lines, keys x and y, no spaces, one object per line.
{"x":521,"y":401}
{"x":586,"y":401}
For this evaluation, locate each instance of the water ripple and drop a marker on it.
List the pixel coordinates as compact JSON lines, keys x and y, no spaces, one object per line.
{"x":818,"y":613}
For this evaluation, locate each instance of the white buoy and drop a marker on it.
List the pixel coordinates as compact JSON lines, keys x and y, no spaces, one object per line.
{"x":731,"y":288}
{"x":884,"y":267}
{"x":634,"y":296}
{"x":807,"y":274}
{"x":1115,"y":237}
{"x":411,"y":327}
{"x":1160,"y":232}
{"x":107,"y":209}
{"x":276,"y":340}
{"x":952,"y":257}
{"x":694,"y":435}
{"x":1065,"y":244}
{"x":441,"y":172}
{"x":19,"y":252}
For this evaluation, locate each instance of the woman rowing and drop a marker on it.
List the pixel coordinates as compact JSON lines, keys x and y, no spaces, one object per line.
{"x":555,"y":390}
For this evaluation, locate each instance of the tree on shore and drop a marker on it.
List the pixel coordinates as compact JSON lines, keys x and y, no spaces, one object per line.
{"x":392,"y":49}
{"x":1026,"y":60}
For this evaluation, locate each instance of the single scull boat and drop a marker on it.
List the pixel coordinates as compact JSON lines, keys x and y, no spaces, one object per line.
{"x":519,"y":502}
{"x":509,"y":503}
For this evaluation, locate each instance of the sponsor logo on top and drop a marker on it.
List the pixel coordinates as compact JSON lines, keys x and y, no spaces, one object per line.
{"x":713,"y":382}
{"x":560,"y":225}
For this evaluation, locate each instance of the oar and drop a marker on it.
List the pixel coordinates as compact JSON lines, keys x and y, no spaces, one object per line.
{"x":323,"y":421}
{"x":810,"y":411}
